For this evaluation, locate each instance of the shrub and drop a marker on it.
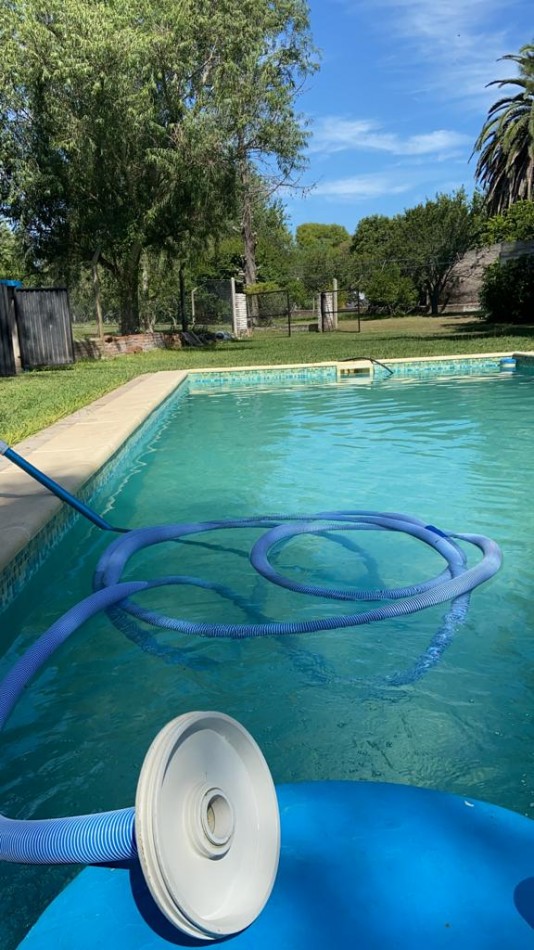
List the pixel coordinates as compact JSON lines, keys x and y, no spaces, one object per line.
{"x":507,"y":294}
{"x":388,"y":292}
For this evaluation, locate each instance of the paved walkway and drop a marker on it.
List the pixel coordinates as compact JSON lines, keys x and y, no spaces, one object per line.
{"x":71,"y":452}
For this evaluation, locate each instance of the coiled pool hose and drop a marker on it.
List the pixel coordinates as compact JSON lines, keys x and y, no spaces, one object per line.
{"x":110,"y":836}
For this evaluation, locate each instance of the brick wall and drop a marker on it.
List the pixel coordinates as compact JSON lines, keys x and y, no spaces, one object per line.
{"x":116,"y":345}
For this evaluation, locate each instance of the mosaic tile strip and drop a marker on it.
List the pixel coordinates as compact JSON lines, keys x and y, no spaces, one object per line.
{"x":199,"y":382}
{"x":464,"y":367}
{"x":237,"y":379}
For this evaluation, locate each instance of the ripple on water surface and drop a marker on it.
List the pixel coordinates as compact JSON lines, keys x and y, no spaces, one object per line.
{"x":456,"y":453}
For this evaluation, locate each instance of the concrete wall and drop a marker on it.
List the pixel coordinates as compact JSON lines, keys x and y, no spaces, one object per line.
{"x":240,"y":320}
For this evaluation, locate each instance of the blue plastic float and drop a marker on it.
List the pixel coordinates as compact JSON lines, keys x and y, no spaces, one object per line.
{"x":373,"y":866}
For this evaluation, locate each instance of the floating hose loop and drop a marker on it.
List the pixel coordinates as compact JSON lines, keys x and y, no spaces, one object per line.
{"x":450,"y":584}
{"x":110,"y":836}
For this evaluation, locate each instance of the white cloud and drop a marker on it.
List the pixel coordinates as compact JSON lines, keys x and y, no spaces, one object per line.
{"x":460,"y":40}
{"x":335,"y":134}
{"x":361,"y":187}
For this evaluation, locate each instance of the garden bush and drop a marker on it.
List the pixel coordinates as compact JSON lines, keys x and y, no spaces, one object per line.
{"x":507,"y":294}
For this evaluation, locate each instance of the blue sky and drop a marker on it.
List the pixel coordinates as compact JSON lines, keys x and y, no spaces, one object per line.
{"x":399,"y":100}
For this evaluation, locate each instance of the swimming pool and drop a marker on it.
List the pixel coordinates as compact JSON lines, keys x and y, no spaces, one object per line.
{"x":453,"y":451}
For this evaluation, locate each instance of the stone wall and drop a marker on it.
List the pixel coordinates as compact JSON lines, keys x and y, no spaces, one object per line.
{"x":467,"y":274}
{"x":516,"y":249}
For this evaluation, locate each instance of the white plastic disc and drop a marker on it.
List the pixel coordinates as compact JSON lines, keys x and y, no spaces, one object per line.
{"x":207,"y":825}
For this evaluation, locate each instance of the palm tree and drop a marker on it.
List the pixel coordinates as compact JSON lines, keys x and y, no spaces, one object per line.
{"x":505,"y":166}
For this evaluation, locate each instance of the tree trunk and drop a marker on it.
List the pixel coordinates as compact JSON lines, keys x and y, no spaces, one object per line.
{"x":183,"y":301}
{"x":128,"y":281}
{"x":249,"y":241}
{"x":247,"y":227}
{"x":96,"y":288}
{"x":147,"y":317}
{"x":434,"y":300}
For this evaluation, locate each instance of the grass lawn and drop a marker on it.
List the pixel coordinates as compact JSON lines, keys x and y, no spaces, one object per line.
{"x":33,"y":400}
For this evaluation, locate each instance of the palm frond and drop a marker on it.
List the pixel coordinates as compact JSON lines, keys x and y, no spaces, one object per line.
{"x":505,"y":166}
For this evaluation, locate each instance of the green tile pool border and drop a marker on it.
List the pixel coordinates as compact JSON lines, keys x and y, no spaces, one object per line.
{"x":265,"y":376}
{"x":203,"y":381}
{"x":17,"y":573}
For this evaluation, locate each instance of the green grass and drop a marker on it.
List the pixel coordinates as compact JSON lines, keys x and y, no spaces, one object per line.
{"x":31,"y":401}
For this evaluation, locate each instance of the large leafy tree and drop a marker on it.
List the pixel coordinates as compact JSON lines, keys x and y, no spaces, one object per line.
{"x":421,"y":245}
{"x":107,"y":142}
{"x":130,"y":126}
{"x":326,"y":235}
{"x":322,"y":253}
{"x":505,"y":166}
{"x":375,"y":248}
{"x":223,"y":256}
{"x":268,"y":54}
{"x":435,"y":235}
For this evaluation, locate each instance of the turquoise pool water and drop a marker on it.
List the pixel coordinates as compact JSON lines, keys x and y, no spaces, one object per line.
{"x":455,"y":452}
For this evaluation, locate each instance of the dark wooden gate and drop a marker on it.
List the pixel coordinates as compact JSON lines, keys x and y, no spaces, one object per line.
{"x":44,"y":327}
{"x":8,"y":366}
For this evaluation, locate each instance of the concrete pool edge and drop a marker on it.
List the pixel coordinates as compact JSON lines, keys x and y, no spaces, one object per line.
{"x":73,"y":451}
{"x":76,"y":449}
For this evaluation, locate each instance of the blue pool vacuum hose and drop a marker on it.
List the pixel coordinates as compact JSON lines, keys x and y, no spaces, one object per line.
{"x":110,"y":836}
{"x":54,"y":487}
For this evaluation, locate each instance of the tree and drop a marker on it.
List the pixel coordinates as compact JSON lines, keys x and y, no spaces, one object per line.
{"x":505,"y":166}
{"x":376,"y":239}
{"x":316,"y":267}
{"x":223,"y":257}
{"x":108,"y":142}
{"x":325,"y":235}
{"x":435,"y":235}
{"x":268,"y":55}
{"x":11,"y":257}
{"x":389,"y":291}
{"x":322,"y":254}
{"x":379,"y":266}
{"x":127,"y":127}
{"x":275,"y":248}
{"x":516,"y":223}
{"x":422,"y":244}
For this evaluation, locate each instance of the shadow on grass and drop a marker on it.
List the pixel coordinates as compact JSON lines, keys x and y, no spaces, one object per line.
{"x":479,"y":328}
{"x":471,"y":331}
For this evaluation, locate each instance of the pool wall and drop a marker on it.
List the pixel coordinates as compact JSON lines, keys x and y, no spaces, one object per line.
{"x":32,"y":521}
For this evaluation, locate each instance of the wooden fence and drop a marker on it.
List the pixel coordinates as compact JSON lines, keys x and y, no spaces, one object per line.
{"x":44,"y":328}
{"x":8,"y":365}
